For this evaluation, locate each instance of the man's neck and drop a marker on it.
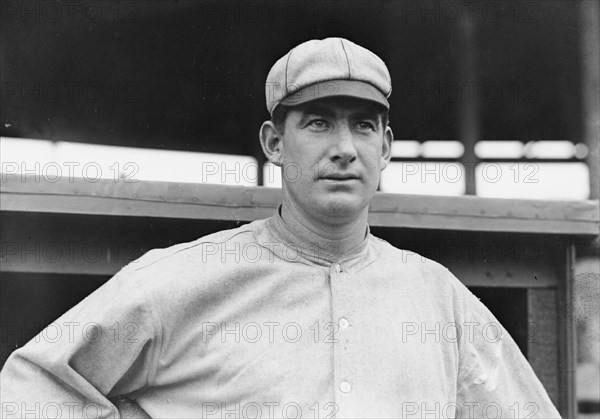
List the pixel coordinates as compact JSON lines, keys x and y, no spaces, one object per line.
{"x":345,"y":236}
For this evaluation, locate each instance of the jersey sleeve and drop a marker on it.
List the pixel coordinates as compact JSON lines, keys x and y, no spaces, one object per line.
{"x":495,"y":379}
{"x":105,"y":346}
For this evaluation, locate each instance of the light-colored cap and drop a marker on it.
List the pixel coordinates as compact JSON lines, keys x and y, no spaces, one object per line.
{"x":329,"y":67}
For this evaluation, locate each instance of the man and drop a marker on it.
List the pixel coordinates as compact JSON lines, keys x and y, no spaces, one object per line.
{"x":305,"y":314}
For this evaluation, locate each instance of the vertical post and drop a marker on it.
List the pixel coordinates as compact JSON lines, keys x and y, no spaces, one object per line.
{"x":590,"y":87}
{"x":470,"y":107}
{"x":566,"y":334}
{"x":258,"y":117}
{"x":260,"y":161}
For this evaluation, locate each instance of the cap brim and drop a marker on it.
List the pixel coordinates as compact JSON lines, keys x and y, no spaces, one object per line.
{"x":332,"y":88}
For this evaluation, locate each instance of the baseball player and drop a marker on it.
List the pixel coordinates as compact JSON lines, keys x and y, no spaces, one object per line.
{"x":304,"y":314}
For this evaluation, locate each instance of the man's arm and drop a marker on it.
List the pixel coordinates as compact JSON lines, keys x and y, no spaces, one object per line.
{"x":105,"y":346}
{"x":495,"y":379}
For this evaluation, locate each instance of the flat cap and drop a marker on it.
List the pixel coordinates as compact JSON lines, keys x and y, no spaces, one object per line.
{"x":329,"y":67}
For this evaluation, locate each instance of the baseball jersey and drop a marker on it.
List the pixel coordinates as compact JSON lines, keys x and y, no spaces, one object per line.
{"x":262,"y":321}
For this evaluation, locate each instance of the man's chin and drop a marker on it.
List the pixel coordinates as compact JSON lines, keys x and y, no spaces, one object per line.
{"x":342,"y":208}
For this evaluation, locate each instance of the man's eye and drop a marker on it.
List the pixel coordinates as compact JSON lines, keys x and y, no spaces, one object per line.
{"x":318,"y":123}
{"x":366,"y":125}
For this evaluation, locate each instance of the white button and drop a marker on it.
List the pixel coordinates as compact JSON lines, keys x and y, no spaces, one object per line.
{"x":337,"y":268}
{"x":345,"y":387}
{"x":344,"y":323}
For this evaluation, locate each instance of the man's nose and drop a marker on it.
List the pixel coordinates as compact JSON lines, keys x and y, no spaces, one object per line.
{"x":344,"y":149}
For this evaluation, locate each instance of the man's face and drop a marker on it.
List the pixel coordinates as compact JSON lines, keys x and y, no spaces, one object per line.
{"x":333,"y":151}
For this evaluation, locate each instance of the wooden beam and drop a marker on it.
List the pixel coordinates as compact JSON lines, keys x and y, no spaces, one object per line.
{"x":217,"y":202}
{"x":505,"y":273}
{"x":101,"y":245}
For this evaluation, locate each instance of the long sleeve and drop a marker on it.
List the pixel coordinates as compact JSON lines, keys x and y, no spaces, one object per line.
{"x":495,"y":379}
{"x":105,"y":346}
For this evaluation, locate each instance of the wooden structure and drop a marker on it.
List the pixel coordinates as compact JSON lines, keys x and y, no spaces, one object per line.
{"x":60,"y":241}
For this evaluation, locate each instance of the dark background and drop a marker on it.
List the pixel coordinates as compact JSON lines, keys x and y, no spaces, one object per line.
{"x":190,"y":75}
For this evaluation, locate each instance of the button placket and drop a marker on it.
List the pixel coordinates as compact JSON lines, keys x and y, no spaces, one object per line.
{"x":342,"y":290}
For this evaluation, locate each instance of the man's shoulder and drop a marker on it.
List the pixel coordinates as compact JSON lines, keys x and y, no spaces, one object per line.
{"x":426,"y":278}
{"x":406,"y":258}
{"x":416,"y":270}
{"x":178,"y":275}
{"x":163,"y":257}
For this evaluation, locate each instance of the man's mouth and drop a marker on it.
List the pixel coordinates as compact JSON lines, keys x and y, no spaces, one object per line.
{"x":339,"y":178}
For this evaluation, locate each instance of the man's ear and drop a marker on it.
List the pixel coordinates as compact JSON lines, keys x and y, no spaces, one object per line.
{"x":271,"y":143}
{"x":386,"y":149}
